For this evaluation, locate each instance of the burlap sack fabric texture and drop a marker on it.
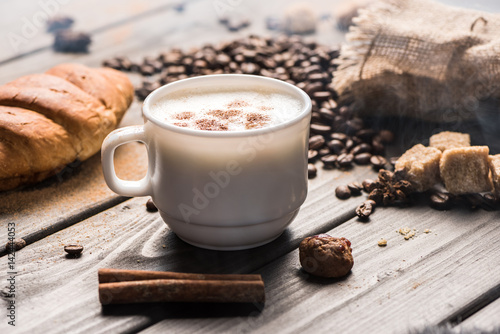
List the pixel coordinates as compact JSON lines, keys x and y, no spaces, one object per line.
{"x":421,"y":59}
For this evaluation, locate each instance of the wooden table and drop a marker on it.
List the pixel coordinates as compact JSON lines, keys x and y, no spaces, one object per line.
{"x":449,"y":277}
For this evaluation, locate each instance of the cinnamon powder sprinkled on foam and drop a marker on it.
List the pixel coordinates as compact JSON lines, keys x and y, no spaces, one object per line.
{"x":181,"y":124}
{"x":237,"y":104}
{"x":225,"y":114}
{"x":184,"y":115}
{"x":255,"y":120}
{"x":210,"y":125}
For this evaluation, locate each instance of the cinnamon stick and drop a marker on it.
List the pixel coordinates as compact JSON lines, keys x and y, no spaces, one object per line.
{"x":182,"y":290}
{"x":107,"y":275}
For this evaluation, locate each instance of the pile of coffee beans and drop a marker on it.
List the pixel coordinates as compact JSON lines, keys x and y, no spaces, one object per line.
{"x":338,"y":138}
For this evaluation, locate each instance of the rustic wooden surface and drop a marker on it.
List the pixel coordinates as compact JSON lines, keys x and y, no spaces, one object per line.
{"x":448,"y":277}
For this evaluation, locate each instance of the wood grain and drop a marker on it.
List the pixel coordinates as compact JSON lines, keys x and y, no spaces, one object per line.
{"x":428,"y":280}
{"x":127,"y":236}
{"x":486,"y":319}
{"x":25,"y":26}
{"x":407,"y":285}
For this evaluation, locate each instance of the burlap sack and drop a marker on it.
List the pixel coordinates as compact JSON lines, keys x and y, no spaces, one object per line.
{"x":421,"y":59}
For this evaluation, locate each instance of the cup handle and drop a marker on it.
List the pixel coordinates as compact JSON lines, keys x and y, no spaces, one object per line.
{"x":111,"y":142}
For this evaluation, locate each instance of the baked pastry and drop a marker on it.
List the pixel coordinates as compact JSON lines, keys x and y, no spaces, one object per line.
{"x":50,"y":120}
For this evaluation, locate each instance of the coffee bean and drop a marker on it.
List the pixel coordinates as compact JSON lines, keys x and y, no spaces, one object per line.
{"x":354,"y":125}
{"x":339,"y":136}
{"x":324,"y":151}
{"x":249,"y":68}
{"x":335,"y":146}
{"x":329,"y":160}
{"x":342,"y":192}
{"x":377,"y":195}
{"x":312,"y":155}
{"x":490,"y":202}
{"x":326,"y":114}
{"x":362,"y":158}
{"x":378,"y":162}
{"x":320,"y":129}
{"x":349,"y":144}
{"x":377,"y":147}
{"x":112,"y":63}
{"x":311,"y":171}
{"x":316,"y":117}
{"x":441,"y":201}
{"x":345,"y":160}
{"x":315,"y":142}
{"x":147,"y":70}
{"x":369,"y":185}
{"x":365,"y":209}
{"x":355,"y":188}
{"x":313,"y":87}
{"x":361,"y":148}
{"x":366,"y":134}
{"x":15,"y":245}
{"x":150,"y":206}
{"x":330,"y":104}
{"x":321,"y":96}
{"x":74,"y":250}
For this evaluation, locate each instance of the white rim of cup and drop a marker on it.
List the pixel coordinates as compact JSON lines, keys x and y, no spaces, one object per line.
{"x":240,"y":133}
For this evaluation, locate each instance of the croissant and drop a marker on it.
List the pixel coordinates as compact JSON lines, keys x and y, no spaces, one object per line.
{"x":50,"y":120}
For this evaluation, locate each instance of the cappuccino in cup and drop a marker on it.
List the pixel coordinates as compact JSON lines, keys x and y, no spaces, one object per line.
{"x":227,"y":158}
{"x":226,"y":108}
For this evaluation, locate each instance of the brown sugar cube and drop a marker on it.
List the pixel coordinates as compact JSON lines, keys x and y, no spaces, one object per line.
{"x":495,"y":172}
{"x":447,"y":139}
{"x":466,"y":170}
{"x":421,"y":165}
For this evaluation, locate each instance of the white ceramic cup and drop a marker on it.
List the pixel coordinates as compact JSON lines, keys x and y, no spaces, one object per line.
{"x":223,"y":190}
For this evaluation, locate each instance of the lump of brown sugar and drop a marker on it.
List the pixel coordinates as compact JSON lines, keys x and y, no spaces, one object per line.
{"x":326,"y":256}
{"x":447,"y":139}
{"x":495,"y":172}
{"x":421,"y":165}
{"x":466,"y":170}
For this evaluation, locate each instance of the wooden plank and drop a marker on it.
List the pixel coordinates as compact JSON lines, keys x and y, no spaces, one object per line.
{"x":126,"y":236}
{"x":24,"y":22}
{"x":486,"y":320}
{"x":75,"y":193}
{"x":407,"y":285}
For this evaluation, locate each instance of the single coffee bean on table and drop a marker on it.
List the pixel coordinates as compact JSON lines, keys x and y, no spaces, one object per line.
{"x":316,"y":142}
{"x":362,"y":158}
{"x":329,"y":161}
{"x":74,"y":250}
{"x":378,"y":162}
{"x":365,"y":209}
{"x":441,"y":201}
{"x":355,"y":188}
{"x":311,"y":171}
{"x":150,"y":206}
{"x":343,"y":192}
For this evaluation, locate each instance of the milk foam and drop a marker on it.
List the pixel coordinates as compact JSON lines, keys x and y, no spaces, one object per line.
{"x":226,"y":108}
